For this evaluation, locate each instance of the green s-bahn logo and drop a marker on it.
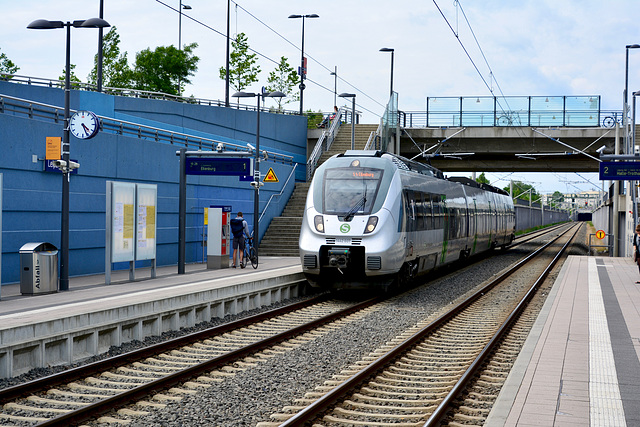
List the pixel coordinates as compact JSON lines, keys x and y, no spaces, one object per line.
{"x":345,"y":228}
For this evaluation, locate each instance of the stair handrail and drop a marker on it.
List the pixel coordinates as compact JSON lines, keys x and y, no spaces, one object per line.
{"x":374,"y":136}
{"x":293,"y":171}
{"x":328,"y":135}
{"x":126,"y":128}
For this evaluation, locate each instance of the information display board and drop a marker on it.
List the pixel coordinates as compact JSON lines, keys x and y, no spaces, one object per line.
{"x":147,"y":195}
{"x":228,"y":166}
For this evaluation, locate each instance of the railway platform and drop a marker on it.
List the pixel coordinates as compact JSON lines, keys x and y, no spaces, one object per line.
{"x":64,"y":327}
{"x":580,"y":365}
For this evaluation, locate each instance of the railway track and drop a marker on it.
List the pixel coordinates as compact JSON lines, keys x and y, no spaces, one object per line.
{"x":417,"y":379}
{"x":151,"y":377}
{"x":193,"y":362}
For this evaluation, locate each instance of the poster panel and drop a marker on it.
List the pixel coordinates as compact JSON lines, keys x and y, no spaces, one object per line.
{"x":123,"y":198}
{"x":146,"y":221}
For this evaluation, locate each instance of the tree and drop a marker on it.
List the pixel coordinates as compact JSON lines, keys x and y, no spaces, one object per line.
{"x":519,"y":190}
{"x":242,"y":65}
{"x":6,"y":65}
{"x":556,"y":199}
{"x":166,"y":69}
{"x":284,"y":78}
{"x":482,"y":179}
{"x":72,"y":76}
{"x":115,"y":66}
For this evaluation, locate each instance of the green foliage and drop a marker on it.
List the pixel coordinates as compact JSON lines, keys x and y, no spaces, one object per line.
{"x":519,"y":190}
{"x":72,"y":76}
{"x":115,"y":66}
{"x":313,"y":119}
{"x":284,"y":78}
{"x":165,"y":69}
{"x":556,"y":199}
{"x":482,"y":179}
{"x":6,"y":65}
{"x":242,"y":65}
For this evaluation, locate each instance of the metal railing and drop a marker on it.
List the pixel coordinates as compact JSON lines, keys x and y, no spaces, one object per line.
{"x":324,"y":143}
{"x":542,"y":111}
{"x":32,"y":110}
{"x":136,"y":93}
{"x":284,"y":187}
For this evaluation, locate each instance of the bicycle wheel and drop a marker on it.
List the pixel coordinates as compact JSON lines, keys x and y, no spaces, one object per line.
{"x":245,"y":257}
{"x":608,"y":122}
{"x":504,"y":121}
{"x":253,"y":256}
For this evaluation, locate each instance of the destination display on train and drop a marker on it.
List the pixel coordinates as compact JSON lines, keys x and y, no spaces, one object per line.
{"x":624,"y":171}
{"x":229,"y":166}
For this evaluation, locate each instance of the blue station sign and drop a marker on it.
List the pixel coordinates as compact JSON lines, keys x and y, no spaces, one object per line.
{"x":227,"y":166}
{"x":621,"y":171}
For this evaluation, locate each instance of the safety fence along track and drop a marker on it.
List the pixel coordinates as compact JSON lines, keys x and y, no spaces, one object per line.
{"x":151,"y":376}
{"x":419,"y":377}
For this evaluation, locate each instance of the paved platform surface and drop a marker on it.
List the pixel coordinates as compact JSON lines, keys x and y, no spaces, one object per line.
{"x":580,"y":365}
{"x":88,"y":289}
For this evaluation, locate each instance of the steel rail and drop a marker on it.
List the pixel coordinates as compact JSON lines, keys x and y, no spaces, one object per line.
{"x":20,"y":390}
{"x":440,"y":412}
{"x":340,"y":391}
{"x":127,"y":397}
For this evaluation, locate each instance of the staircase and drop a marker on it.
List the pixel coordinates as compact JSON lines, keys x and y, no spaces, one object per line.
{"x":281,"y":238}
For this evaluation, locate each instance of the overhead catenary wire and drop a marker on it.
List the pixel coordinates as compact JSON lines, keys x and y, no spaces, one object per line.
{"x":271,"y":59}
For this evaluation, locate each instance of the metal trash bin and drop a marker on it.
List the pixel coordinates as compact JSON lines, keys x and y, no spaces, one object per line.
{"x":38,"y":268}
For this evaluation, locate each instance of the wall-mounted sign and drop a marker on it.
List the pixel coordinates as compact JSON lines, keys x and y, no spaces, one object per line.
{"x":228,"y":166}
{"x":621,"y":171}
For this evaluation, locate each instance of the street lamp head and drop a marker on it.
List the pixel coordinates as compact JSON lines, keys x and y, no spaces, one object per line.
{"x":387,"y":49}
{"x":275,"y":94}
{"x":243,"y":95}
{"x":95,"y":23}
{"x":313,"y":15}
{"x":633,"y":46}
{"x":637,"y":93}
{"x":43,"y":24}
{"x":347,"y":95}
{"x":186,"y":7}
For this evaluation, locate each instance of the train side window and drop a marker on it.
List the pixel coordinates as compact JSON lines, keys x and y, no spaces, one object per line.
{"x":428,"y":215}
{"x":420,"y":211}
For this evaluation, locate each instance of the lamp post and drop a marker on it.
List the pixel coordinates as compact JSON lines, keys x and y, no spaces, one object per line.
{"x":389,"y":49}
{"x":303,"y":68}
{"x":353,"y":116}
{"x":100,"y":56}
{"x":256,"y":168}
{"x":43,"y":24}
{"x":226,"y":78}
{"x":334,"y":73}
{"x":185,"y":7}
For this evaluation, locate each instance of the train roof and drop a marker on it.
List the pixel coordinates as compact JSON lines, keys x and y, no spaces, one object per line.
{"x":471,"y":183}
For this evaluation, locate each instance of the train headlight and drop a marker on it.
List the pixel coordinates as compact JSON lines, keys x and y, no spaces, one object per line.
{"x":319,"y":223}
{"x":371,"y":224}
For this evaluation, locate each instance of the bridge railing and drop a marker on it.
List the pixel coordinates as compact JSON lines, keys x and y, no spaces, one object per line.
{"x":136,"y":93}
{"x":543,"y":111}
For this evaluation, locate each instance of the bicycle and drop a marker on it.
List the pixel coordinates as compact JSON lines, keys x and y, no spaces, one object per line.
{"x":250,"y":253}
{"x":509,"y":118}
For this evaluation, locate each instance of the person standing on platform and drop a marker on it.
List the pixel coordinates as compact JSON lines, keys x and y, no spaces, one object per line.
{"x":636,"y":248}
{"x":239,"y":228}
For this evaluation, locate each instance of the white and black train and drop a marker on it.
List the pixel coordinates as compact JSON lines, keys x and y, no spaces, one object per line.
{"x":372,"y":218}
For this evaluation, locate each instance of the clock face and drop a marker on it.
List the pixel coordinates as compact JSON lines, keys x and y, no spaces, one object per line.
{"x":84,"y":124}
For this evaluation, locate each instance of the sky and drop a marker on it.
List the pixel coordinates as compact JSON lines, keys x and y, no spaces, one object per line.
{"x":442,"y":48}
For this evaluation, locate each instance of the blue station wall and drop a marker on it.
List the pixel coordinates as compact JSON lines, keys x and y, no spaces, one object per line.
{"x":32,"y":197}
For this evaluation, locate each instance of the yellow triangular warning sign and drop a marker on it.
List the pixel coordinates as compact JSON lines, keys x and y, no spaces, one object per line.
{"x":270,"y":176}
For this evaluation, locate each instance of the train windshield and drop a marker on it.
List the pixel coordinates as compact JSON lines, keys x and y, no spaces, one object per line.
{"x":350,"y":191}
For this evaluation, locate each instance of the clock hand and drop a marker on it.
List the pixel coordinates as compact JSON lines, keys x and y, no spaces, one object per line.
{"x":86,"y":129}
